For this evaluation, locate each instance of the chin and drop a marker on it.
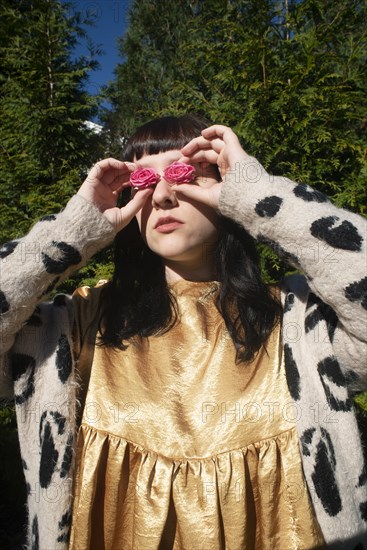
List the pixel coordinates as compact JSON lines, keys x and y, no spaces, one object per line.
{"x":175,"y":253}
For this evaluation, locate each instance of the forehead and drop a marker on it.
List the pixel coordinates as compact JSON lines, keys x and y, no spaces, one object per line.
{"x":160,"y":160}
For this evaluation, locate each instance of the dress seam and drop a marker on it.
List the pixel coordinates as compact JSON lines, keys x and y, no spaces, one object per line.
{"x":184,"y":459}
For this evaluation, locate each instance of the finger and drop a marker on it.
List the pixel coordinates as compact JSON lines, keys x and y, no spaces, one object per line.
{"x":136,"y":203}
{"x":208,"y":156}
{"x":201,"y":143}
{"x":208,"y":195}
{"x":225,"y":133}
{"x":108,"y":170}
{"x":122,"y":180}
{"x":106,"y":164}
{"x":196,"y":144}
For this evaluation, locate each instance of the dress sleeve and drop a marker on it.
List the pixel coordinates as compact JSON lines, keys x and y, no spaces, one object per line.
{"x":32,"y":266}
{"x":326,"y":243}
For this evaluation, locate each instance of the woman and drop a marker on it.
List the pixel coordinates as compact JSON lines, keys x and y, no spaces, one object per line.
{"x":208,"y":420}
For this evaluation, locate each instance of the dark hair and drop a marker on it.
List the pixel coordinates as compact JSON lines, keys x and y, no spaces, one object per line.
{"x":163,"y":134}
{"x":129,"y":302}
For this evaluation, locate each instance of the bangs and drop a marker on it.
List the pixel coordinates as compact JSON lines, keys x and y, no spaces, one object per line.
{"x":163,"y":134}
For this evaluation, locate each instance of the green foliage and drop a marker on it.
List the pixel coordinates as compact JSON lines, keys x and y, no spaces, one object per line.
{"x":45,"y":151}
{"x":361,"y":402}
{"x":144,"y":80}
{"x":289,"y":77}
{"x":45,"y":146}
{"x":99,"y":268}
{"x":7,"y":417}
{"x":361,"y":409}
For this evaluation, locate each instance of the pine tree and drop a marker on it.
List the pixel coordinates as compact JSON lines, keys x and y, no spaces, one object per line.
{"x":44,"y":150}
{"x":144,"y":78}
{"x":290,"y":77}
{"x":45,"y":145}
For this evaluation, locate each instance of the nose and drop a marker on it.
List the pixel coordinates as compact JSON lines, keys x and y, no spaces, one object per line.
{"x":163,"y":196}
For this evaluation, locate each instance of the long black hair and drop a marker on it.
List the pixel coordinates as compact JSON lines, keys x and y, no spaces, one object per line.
{"x":138,"y":301}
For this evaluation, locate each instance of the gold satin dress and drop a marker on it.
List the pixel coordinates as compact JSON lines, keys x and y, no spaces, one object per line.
{"x":180,"y":447}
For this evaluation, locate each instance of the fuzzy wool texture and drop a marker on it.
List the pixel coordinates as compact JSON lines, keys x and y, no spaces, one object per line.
{"x":37,"y":361}
{"x":324,"y":335}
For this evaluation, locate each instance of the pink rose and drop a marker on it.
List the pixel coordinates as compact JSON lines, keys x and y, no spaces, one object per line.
{"x":143,"y":178}
{"x":178,"y":172}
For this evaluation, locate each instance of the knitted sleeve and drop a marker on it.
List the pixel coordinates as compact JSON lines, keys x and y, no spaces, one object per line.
{"x":326,"y":243}
{"x":32,"y":266}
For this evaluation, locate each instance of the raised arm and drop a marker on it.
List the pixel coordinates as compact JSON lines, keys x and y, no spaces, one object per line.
{"x":58,"y":245}
{"x":327,"y":243}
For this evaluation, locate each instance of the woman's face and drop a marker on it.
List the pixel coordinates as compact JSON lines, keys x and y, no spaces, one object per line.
{"x":180,"y":230}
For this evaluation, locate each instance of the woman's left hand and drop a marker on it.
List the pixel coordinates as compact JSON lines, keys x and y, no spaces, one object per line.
{"x":217,"y":145}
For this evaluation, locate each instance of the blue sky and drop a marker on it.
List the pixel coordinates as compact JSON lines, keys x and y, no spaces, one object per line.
{"x":110,"y":20}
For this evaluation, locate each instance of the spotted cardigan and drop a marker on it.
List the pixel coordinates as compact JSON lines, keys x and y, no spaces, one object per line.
{"x":324,"y":336}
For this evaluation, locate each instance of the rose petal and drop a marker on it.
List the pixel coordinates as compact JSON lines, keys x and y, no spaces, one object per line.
{"x":144,"y":177}
{"x":179,"y":172}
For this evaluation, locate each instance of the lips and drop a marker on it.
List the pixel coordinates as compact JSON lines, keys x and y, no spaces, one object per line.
{"x":168,"y":221}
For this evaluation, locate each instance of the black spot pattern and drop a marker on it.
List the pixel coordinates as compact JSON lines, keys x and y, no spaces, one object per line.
{"x":344,"y":235}
{"x":4,"y":305}
{"x":49,"y":456}
{"x":24,"y":464}
{"x":322,"y":312}
{"x":312,"y":300}
{"x":63,"y":358}
{"x":64,"y":524}
{"x":289,"y":301}
{"x":35,"y":319}
{"x":48,"y":218}
{"x":20,"y":362}
{"x":60,"y":421}
{"x":357,"y":292}
{"x":69,"y":256}
{"x":64,"y":537}
{"x":363,"y":510}
{"x":8,"y":248}
{"x":329,"y":368}
{"x":362,"y":480}
{"x":350,"y":377}
{"x":65,"y":520}
{"x":306,"y":439}
{"x":56,"y":418}
{"x":59,"y":300}
{"x":293,"y":377}
{"x":308,"y":194}
{"x":68,"y":456}
{"x":23,"y":365}
{"x":323,"y":476}
{"x":35,"y":542}
{"x":269,"y":206}
{"x":287,"y":256}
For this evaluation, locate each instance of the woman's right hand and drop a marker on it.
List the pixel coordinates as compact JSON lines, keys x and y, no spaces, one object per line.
{"x":102,"y":186}
{"x":217,"y":144}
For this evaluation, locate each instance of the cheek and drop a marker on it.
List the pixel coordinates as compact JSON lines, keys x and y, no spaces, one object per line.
{"x":207,"y":217}
{"x":142,"y":218}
